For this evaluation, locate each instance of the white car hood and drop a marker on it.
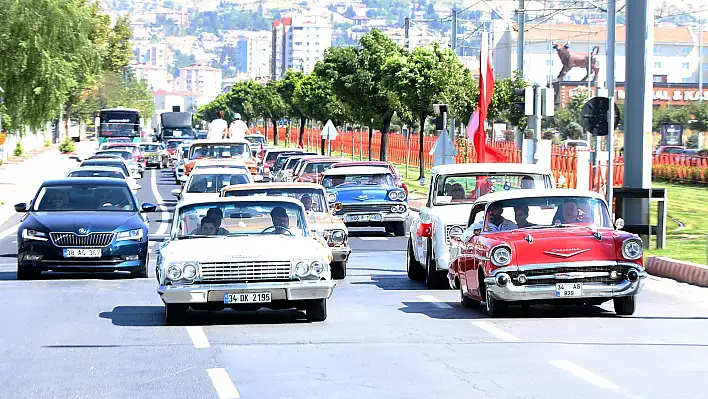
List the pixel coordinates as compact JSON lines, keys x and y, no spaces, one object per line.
{"x":198,"y":196}
{"x":452,"y":214}
{"x":237,"y":248}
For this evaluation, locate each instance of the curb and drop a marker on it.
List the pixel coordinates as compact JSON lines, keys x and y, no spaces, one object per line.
{"x":686,"y":272}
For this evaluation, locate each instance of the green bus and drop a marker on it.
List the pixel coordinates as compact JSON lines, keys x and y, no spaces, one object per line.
{"x":119,"y":123}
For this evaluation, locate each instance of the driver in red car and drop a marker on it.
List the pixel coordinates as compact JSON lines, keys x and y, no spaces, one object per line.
{"x":497,"y":222}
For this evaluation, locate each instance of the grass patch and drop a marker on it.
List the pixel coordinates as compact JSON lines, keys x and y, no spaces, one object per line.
{"x":686,"y":223}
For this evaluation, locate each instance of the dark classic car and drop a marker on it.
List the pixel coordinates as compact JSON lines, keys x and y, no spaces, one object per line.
{"x":367,"y":196}
{"x":83,"y":224}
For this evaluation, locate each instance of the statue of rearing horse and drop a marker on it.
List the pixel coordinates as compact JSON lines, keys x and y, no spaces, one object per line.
{"x":572,"y":59}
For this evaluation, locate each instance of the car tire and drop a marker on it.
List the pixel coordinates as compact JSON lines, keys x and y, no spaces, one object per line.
{"x":466,"y":301}
{"x":399,"y":229}
{"x":159,"y":165}
{"x":413,"y":267}
{"x":495,"y":307}
{"x":435,"y":279}
{"x":317,"y":309}
{"x":175,"y":313}
{"x":27,"y":273}
{"x":339,"y":270}
{"x":625,"y":305}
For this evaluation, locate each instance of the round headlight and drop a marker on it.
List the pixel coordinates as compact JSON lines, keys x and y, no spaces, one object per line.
{"x":317,"y":267}
{"x":632,"y":249}
{"x":501,"y":256}
{"x":401,"y":195}
{"x":174,"y":272}
{"x":189,"y":271}
{"x":331,"y":197}
{"x":301,"y":269}
{"x":338,"y":236}
{"x":456,"y":231}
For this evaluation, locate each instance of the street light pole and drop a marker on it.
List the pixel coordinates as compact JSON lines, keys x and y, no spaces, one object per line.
{"x":610,"y":67}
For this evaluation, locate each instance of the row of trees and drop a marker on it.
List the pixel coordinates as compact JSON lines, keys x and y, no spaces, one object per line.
{"x":63,"y":56}
{"x":368,"y":85}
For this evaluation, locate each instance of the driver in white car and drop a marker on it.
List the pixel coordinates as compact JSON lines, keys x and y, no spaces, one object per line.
{"x":281,"y":221}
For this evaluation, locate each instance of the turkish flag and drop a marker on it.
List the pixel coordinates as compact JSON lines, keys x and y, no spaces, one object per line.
{"x":486,"y":92}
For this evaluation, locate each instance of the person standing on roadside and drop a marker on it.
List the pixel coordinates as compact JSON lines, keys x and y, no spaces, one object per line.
{"x":238,"y":129}
{"x":218,"y":128}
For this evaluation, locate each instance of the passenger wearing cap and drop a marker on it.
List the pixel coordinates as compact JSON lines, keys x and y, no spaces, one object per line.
{"x":238,"y":129}
{"x":307,"y":202}
{"x":281,"y":221}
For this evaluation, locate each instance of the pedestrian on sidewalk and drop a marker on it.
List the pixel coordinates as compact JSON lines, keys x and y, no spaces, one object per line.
{"x":238,"y":129}
{"x":218,"y":128}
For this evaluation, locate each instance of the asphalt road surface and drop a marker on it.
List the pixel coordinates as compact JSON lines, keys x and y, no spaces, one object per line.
{"x":104,"y":336}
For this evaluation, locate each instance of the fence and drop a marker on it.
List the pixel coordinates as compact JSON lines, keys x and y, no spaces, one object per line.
{"x":405,"y":151}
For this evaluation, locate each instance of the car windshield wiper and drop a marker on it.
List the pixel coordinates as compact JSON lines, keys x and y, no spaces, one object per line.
{"x":185,"y":237}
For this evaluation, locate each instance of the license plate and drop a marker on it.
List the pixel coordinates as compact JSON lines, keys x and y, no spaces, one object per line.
{"x":252,"y":297}
{"x":569,"y":290}
{"x":363,"y":218}
{"x":82,"y":253}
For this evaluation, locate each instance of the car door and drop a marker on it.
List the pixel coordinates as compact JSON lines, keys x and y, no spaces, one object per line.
{"x":469,"y":262}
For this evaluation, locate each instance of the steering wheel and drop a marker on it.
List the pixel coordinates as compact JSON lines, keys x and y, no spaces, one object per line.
{"x":273,"y":228}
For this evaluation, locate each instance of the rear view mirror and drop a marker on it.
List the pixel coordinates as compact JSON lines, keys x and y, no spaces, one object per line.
{"x":176,"y":192}
{"x":183,"y":178}
{"x":148,"y":207}
{"x":477,"y":232}
{"x":135,"y":176}
{"x":619,"y":223}
{"x":21,"y":207}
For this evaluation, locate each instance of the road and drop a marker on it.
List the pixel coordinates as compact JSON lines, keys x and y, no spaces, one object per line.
{"x":104,"y":336}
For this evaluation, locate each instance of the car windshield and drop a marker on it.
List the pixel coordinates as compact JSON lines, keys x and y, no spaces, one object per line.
{"x":173,"y":144}
{"x":459,"y":189}
{"x":117,"y":164}
{"x":185,"y":152}
{"x":221,"y":166}
{"x":89,"y":198}
{"x":240,"y":218}
{"x":150,"y":147}
{"x":282,"y":161}
{"x":97,"y":173}
{"x":379,"y":179}
{"x":132,"y":150}
{"x":272,"y":155}
{"x":545,"y":212}
{"x":123,"y":154}
{"x":220,"y":151}
{"x":256,"y":139}
{"x":312,"y":198}
{"x":212,"y":183}
{"x":313,"y":167}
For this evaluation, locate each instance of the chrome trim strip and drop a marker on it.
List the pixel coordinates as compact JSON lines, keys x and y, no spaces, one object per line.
{"x":538,"y":266}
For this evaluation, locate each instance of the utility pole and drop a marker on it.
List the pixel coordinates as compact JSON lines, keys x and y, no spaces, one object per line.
{"x":700,"y":61}
{"x":638,"y":110}
{"x":453,"y":45}
{"x":537,"y":114}
{"x":610,"y":68}
{"x":406,"y":34}
{"x":521,"y":13}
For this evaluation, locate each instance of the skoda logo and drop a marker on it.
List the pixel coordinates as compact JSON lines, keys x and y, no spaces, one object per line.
{"x":83,"y":230}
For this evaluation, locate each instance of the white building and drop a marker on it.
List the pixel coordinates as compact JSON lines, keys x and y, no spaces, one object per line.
{"x":675,"y":56}
{"x":157,"y":78}
{"x":304,"y":41}
{"x":154,"y":54}
{"x":253,"y":54}
{"x":200,"y":79}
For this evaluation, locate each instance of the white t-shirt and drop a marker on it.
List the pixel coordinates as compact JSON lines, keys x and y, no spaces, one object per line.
{"x":238,"y":130}
{"x":217,"y":128}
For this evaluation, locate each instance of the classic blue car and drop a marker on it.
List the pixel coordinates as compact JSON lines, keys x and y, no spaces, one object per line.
{"x":83,"y":224}
{"x":367,"y":196}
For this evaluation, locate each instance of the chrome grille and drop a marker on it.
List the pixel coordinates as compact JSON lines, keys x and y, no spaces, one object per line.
{"x":92,"y":240}
{"x":365,"y":208}
{"x":450,"y":226}
{"x":599,"y":274}
{"x":245,"y":271}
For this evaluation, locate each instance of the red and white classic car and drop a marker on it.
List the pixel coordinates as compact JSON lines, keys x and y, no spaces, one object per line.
{"x":546,"y":246}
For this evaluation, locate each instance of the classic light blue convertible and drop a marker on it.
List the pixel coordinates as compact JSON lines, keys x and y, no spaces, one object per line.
{"x":367,"y":196}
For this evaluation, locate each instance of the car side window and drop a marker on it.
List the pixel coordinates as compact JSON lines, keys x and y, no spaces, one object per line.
{"x":434,"y":180}
{"x":477,"y":216}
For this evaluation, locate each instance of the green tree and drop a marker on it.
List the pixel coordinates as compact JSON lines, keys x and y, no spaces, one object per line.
{"x":286,"y":88}
{"x":317,"y":101}
{"x":678,"y":115}
{"x":242,"y":99}
{"x":271,"y":106}
{"x":120,"y":51}
{"x":502,"y":105}
{"x":700,"y":116}
{"x":566,"y":118}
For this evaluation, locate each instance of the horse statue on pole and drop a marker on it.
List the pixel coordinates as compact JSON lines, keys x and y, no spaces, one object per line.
{"x":573,"y":59}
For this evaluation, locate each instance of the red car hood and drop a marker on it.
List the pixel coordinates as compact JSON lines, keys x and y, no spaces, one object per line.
{"x":566,"y":244}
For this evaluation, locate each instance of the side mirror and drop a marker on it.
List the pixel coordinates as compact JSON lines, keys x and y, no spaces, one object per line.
{"x":619,"y":223}
{"x":258,"y":178}
{"x":135,"y":176}
{"x":477,"y":232}
{"x":183,"y":179}
{"x":21,"y":207}
{"x":176,"y":192}
{"x":148,"y":207}
{"x":137,"y":187}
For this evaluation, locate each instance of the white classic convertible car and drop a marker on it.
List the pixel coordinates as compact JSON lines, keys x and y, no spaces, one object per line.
{"x":453,"y":190}
{"x":243,"y":253}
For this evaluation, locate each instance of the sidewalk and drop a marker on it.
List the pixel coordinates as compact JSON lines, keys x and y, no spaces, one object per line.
{"x":416,"y":201}
{"x":20,"y":179}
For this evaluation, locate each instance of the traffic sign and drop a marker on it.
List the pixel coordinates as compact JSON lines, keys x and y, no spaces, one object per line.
{"x":329,"y":131}
{"x":593,"y":116}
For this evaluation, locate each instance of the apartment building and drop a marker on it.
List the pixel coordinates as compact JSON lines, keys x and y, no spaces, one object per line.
{"x":200,"y":79}
{"x":155,"y":54}
{"x":298,"y":43}
{"x":253,"y":54}
{"x":156,"y":78}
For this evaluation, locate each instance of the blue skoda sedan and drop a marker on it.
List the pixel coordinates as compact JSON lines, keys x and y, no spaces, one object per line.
{"x":83,"y":224}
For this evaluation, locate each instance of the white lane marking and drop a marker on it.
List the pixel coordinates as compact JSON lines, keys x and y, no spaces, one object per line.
{"x":373,"y":238}
{"x":164,"y":215}
{"x":435,"y":301}
{"x":222,"y":383}
{"x":198,"y":337}
{"x":10,"y":231}
{"x":584,"y":374}
{"x":496,"y":331}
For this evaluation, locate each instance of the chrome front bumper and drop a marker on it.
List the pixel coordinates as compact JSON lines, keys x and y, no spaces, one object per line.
{"x":340,"y":254}
{"x":511,"y":292}
{"x":287,"y":290}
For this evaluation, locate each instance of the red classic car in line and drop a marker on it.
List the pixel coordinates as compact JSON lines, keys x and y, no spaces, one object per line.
{"x":545,"y":246}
